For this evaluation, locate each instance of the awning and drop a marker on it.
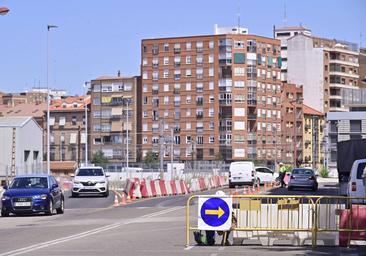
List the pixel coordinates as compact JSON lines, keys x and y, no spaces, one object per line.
{"x":106,"y":99}
{"x":116,"y":111}
{"x":73,"y":138}
{"x":129,"y":126}
{"x":117,"y":96}
{"x":116,"y":126}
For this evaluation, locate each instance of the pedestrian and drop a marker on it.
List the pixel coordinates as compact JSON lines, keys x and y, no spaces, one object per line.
{"x":282,"y":174}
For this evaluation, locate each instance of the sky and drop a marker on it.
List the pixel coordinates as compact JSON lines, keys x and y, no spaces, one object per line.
{"x":100,"y":37}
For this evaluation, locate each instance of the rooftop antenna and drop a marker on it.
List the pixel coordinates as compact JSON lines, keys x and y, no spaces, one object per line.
{"x":238,"y":16}
{"x":284,"y":14}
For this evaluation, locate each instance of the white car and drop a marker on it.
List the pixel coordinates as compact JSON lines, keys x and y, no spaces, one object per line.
{"x":357,"y":181}
{"x":242,"y":173}
{"x":90,"y":180}
{"x":264,"y":174}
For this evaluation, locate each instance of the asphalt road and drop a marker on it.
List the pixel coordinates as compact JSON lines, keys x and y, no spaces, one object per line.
{"x":92,"y":226}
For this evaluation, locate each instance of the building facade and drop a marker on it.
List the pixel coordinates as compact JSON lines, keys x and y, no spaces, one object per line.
{"x":67,"y":129}
{"x":325,"y":68}
{"x":313,"y":138}
{"x":213,"y":97}
{"x":292,"y":124}
{"x":21,"y":146}
{"x":114,"y":129}
{"x":284,"y":34}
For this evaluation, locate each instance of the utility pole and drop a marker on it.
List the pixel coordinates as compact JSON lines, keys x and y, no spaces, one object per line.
{"x":86,"y":123}
{"x":79,"y":146}
{"x":127,"y":156}
{"x":161,"y":149}
{"x":275,"y":134}
{"x":172,"y":150}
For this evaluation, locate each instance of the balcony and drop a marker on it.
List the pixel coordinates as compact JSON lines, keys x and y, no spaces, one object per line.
{"x":176,"y":130}
{"x":199,"y":129}
{"x":225,"y":83}
{"x":252,"y":103}
{"x":177,"y":50}
{"x":343,"y":62}
{"x":199,"y":102}
{"x":252,"y":136}
{"x":199,"y":115}
{"x":225,"y":102}
{"x":339,"y":73}
{"x":252,"y":116}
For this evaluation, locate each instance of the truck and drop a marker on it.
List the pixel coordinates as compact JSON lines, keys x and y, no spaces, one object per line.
{"x":347,"y":153}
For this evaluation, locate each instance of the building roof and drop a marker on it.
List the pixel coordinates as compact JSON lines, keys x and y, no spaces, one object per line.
{"x":12,"y":121}
{"x":70,"y":103}
{"x":63,"y":165}
{"x":292,"y":28}
{"x":24,"y":109}
{"x":113,"y":78}
{"x":310,"y":111}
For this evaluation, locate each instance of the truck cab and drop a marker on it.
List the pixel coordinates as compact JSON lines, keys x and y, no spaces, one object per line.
{"x":356,"y":183}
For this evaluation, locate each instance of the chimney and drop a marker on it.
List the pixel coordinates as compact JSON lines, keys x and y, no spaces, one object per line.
{"x":119,"y":73}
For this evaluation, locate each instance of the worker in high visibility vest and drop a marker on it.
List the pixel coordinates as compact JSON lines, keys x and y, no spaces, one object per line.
{"x":282,"y":174}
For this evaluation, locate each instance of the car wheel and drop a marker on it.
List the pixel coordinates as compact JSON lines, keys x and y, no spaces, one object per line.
{"x":107,"y":193}
{"x":61,"y":209}
{"x":50,"y":208}
{"x":74,"y":194}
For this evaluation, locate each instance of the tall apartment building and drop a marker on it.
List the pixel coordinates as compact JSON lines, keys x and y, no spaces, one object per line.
{"x":313,"y":137}
{"x":67,"y":129}
{"x":218,"y":94}
{"x":292,"y":124}
{"x":284,"y":34}
{"x":325,"y":68}
{"x":115,"y":109}
{"x":14,"y":99}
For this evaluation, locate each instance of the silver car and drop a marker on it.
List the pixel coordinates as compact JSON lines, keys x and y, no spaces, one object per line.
{"x":303,"y":178}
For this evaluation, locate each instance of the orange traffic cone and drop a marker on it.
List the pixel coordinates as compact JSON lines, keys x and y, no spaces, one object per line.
{"x":123,"y":200}
{"x":115,"y":200}
{"x":128,"y":198}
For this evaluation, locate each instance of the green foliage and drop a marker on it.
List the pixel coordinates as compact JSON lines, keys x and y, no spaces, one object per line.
{"x":98,"y":158}
{"x":324,"y":173}
{"x":150,"y":158}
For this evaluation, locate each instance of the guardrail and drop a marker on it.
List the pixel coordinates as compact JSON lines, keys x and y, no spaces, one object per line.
{"x":304,"y":217}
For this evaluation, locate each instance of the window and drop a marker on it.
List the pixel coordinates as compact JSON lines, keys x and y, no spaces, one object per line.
{"x":199,"y":73}
{"x":188,"y":126}
{"x":155,"y":75}
{"x":145,"y":88}
{"x":155,"y":62}
{"x":188,"y":59}
{"x":145,"y":114}
{"x":62,"y":121}
{"x":188,"y":72}
{"x":211,"y":112}
{"x":239,"y":111}
{"x":188,"y":46}
{"x":144,"y":62}
{"x":188,"y":112}
{"x":239,"y":45}
{"x":166,"y":100}
{"x":73,"y":120}
{"x":166,"y":60}
{"x":210,"y":58}
{"x":166,"y":87}
{"x":166,"y":113}
{"x":239,"y":125}
{"x":211,"y":44}
{"x":199,"y":46}
{"x":145,"y":100}
{"x":239,"y":84}
{"x":200,"y":140}
{"x":211,"y":72}
{"x":188,"y":86}
{"x":176,"y":75}
{"x":188,"y":99}
{"x":144,"y":140}
{"x":211,"y":85}
{"x":211,"y":99}
{"x":211,"y":125}
{"x":177,"y":61}
{"x":199,"y":59}
{"x":239,"y":58}
{"x":166,"y":73}
{"x":211,"y":139}
{"x":155,"y":49}
{"x":144,"y":75}
{"x":199,"y":87}
{"x":166,"y":47}
{"x":239,"y":71}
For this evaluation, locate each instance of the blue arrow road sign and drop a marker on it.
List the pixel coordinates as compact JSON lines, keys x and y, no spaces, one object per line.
{"x":215,"y":212}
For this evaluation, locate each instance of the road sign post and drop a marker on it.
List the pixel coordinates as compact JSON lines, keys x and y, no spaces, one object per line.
{"x":214,"y":213}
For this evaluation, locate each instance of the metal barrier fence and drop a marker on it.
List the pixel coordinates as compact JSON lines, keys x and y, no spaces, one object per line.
{"x":304,"y":218}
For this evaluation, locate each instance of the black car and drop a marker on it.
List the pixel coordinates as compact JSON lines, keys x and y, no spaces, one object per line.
{"x":32,"y":194}
{"x":303,"y":178}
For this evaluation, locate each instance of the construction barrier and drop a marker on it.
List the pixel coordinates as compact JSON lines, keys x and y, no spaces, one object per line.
{"x":157,"y":187}
{"x":184,"y":187}
{"x":143,"y":189}
{"x":177,"y":186}
{"x":301,"y":220}
{"x":173,"y":187}
{"x":153,"y":189}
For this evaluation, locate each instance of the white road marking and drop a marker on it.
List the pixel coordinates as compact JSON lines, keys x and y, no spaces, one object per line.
{"x":213,"y":254}
{"x":85,"y":234}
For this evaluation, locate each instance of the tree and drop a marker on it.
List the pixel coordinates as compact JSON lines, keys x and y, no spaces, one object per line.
{"x":99,"y":158}
{"x":150,"y":158}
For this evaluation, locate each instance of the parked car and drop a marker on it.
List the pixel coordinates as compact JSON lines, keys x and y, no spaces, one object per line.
{"x":303,"y":178}
{"x":90,"y":180}
{"x":264,"y":174}
{"x":32,"y":194}
{"x":242,"y":173}
{"x":356,"y":183}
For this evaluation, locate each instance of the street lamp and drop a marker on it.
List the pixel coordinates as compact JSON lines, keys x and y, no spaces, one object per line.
{"x":4,"y":10}
{"x":86,"y":122}
{"x":48,"y":102}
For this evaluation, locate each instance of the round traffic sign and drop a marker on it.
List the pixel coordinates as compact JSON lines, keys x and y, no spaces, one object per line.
{"x":215,"y":212}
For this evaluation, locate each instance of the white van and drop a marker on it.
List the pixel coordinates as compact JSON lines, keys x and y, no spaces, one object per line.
{"x":357,"y":179}
{"x":242,"y":173}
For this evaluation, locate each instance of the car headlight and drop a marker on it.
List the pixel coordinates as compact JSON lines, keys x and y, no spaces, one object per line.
{"x":43,"y":197}
{"x":101,"y":182}
{"x":77,"y":182}
{"x":3,"y":198}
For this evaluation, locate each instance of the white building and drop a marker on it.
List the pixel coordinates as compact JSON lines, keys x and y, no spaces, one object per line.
{"x":230,"y":30}
{"x":20,"y":146}
{"x":325,"y":68}
{"x":284,"y":34}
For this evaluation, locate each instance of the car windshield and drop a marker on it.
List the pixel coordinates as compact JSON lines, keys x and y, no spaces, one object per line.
{"x":303,"y":171}
{"x":90,"y":172}
{"x":29,"y":182}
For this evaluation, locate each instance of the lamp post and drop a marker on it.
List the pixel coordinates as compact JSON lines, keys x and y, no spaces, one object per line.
{"x":4,"y":10}
{"x":49,"y":27}
{"x":86,"y":121}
